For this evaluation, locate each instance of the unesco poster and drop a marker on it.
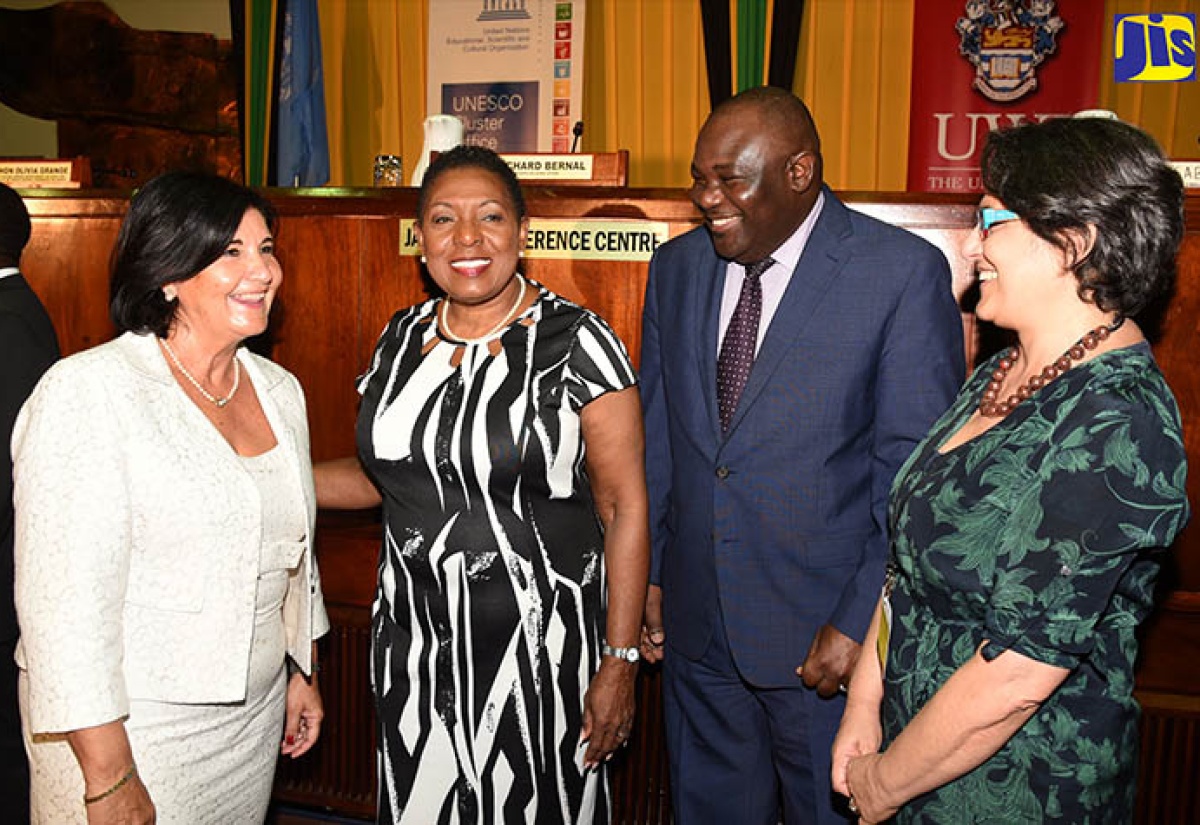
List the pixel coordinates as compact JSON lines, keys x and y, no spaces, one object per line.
{"x":988,"y":64}
{"x":510,"y":70}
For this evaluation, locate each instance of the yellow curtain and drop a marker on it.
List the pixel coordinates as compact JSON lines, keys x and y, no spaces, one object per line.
{"x":645,"y":87}
{"x":1169,"y":111}
{"x":853,"y":71}
{"x":374,"y":56}
{"x":646,"y":90}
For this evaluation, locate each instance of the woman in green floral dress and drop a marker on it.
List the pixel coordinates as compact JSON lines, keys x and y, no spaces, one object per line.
{"x":1029,"y":526}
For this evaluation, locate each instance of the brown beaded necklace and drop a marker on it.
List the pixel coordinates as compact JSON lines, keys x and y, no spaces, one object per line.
{"x":989,"y":404}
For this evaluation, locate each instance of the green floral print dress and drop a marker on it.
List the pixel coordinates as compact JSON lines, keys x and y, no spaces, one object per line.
{"x":1043,"y":536}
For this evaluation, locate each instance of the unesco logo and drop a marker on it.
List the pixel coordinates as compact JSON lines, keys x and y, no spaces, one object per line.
{"x":1149,"y":48}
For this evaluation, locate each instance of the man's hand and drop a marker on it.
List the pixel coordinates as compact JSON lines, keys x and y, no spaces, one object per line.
{"x":831,"y":660}
{"x":652,"y":626}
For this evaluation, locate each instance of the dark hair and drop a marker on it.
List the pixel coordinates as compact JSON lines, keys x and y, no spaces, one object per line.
{"x":1067,"y":176}
{"x":471,"y":157}
{"x":14,"y":227}
{"x":177,"y":225}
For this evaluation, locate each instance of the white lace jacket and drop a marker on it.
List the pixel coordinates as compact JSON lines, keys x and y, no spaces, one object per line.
{"x":138,"y":537}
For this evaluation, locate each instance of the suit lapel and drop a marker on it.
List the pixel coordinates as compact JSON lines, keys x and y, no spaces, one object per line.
{"x":712,"y":288}
{"x":819,"y":265}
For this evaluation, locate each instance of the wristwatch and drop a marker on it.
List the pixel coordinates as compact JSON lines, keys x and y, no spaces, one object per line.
{"x":627,"y":654}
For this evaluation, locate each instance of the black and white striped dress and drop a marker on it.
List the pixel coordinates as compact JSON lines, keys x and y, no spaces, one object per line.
{"x":491,"y":596}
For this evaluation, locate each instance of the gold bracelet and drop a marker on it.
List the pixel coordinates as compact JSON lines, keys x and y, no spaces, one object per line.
{"x":129,"y":774}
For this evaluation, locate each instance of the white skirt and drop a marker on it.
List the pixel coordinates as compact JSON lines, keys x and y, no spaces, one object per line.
{"x":201,"y":764}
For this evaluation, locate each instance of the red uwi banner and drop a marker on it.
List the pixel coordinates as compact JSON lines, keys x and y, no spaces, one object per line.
{"x":989,"y":64}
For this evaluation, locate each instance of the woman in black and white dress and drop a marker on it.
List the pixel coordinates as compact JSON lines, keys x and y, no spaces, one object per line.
{"x":501,"y":427}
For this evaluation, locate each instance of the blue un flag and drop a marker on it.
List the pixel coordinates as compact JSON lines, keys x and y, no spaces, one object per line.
{"x":302,"y":154}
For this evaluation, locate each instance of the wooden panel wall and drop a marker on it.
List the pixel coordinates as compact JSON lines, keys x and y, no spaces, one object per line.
{"x":343,"y":280}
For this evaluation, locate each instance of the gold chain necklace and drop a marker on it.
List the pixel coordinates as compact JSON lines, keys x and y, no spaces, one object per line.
{"x":445,"y":325}
{"x":220,"y":402}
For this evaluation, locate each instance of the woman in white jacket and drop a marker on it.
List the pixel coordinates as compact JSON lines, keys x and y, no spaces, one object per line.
{"x":166,"y":586}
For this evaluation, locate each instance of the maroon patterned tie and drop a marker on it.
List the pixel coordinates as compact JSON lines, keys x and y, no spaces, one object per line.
{"x":741,"y":339}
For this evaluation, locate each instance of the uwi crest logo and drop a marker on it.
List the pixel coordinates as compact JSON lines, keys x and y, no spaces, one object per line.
{"x":1006,"y":40}
{"x":1149,"y":48}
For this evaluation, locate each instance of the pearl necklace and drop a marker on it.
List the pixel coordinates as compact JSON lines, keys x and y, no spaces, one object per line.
{"x":445,"y":324}
{"x":989,"y":404}
{"x":220,"y":402}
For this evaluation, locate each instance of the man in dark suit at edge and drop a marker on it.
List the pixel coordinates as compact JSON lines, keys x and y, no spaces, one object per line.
{"x":28,"y":346}
{"x":777,"y":414}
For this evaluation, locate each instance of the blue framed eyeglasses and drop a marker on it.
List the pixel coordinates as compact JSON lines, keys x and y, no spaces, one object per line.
{"x":987,"y":217}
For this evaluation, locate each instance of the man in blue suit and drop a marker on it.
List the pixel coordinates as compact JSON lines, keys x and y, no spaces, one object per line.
{"x":793,"y":354}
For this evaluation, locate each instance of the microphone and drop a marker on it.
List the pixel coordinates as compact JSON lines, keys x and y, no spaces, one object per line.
{"x":577,"y":131}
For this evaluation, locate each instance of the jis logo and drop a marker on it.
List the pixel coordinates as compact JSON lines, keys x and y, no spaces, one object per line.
{"x":1006,"y":40}
{"x":1149,"y":48}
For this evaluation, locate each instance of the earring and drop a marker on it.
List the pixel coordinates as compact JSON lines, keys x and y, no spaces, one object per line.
{"x":423,"y":259}
{"x":169,"y":293}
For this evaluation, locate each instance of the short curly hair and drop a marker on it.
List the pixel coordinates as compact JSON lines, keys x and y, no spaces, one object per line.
{"x":1068,"y":177}
{"x":177,"y":225}
{"x":471,"y":157}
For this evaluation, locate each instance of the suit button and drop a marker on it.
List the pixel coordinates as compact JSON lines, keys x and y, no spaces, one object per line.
{"x":722,"y":472}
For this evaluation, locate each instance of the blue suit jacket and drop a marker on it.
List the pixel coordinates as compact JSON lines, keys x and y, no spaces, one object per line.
{"x":780,"y":525}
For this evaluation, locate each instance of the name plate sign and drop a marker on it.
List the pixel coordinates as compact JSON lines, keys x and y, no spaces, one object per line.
{"x":551,"y":167}
{"x":32,"y":174}
{"x":582,"y":239}
{"x":1189,"y":170}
